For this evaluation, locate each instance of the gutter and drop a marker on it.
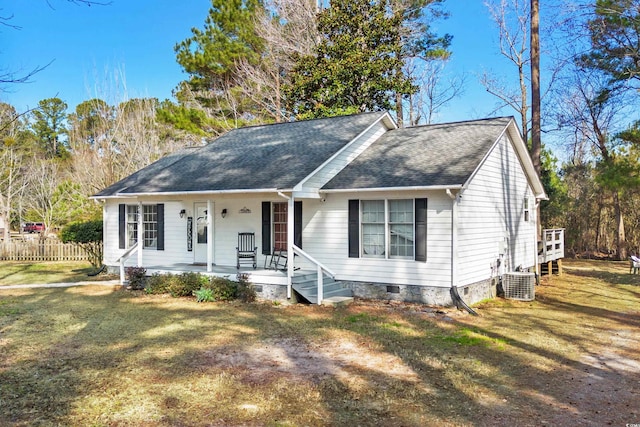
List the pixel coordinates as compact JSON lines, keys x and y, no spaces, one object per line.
{"x":447,"y":188}
{"x":187,"y":193}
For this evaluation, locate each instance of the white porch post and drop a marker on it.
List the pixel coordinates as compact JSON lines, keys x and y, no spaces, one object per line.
{"x":290,"y":253}
{"x":210,"y":214}
{"x":140,"y":234}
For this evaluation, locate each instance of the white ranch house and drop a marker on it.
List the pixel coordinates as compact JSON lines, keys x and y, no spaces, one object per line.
{"x":380,"y":212}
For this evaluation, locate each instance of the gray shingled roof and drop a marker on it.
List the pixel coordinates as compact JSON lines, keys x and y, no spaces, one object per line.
{"x":432,"y":155}
{"x":257,"y":157}
{"x":146,"y":173}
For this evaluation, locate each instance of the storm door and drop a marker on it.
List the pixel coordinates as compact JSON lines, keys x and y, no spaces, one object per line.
{"x":200,"y":231}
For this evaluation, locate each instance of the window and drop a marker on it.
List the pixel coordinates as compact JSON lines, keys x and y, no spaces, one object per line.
{"x":373,"y":220}
{"x":280,"y":213}
{"x":149,"y":225}
{"x":388,"y":228}
{"x":132,"y":225}
{"x":526,"y":209}
{"x":401,"y":228}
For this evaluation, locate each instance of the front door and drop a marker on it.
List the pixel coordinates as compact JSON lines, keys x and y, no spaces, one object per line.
{"x":200,"y":233}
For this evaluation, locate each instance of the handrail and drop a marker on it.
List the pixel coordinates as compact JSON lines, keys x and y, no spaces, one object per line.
{"x":320,"y":268}
{"x":123,"y":258}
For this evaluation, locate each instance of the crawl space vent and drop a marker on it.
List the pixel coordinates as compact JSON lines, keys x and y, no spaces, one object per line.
{"x":520,"y":286}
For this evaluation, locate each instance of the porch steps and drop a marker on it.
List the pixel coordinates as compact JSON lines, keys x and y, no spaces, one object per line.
{"x":334,"y":291}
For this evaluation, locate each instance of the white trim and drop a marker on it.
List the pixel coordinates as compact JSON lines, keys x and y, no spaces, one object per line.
{"x":413,"y":188}
{"x":189,"y":193}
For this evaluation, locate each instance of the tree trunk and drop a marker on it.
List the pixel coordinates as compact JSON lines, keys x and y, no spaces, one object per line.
{"x":621,"y":240}
{"x":399,"y":111}
{"x":536,"y":142}
{"x":535,"y":85}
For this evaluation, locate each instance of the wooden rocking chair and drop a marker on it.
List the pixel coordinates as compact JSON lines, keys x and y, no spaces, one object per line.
{"x":246,"y":251}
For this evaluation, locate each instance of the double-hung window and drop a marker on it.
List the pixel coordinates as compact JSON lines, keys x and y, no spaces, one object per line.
{"x":152,"y":226}
{"x":387,"y":228}
{"x":401,"y":228}
{"x":373,"y":225}
{"x":132,"y":225}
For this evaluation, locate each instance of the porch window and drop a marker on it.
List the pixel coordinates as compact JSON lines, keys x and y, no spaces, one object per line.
{"x":280,"y":225}
{"x":150,"y":227}
{"x":132,"y":225}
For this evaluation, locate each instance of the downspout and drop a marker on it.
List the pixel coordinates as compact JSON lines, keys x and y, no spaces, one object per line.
{"x":535,"y":242}
{"x":290,"y":219}
{"x":453,"y":291}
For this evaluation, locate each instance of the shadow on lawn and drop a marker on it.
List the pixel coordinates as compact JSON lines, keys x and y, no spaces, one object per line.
{"x":126,"y":358}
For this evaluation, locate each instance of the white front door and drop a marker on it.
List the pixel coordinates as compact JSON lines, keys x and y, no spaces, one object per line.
{"x":200,"y":232}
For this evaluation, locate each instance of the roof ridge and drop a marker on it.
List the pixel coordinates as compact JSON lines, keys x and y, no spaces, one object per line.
{"x":485,"y":119}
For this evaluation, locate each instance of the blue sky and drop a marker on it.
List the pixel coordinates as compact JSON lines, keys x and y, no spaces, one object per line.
{"x":126,"y":49}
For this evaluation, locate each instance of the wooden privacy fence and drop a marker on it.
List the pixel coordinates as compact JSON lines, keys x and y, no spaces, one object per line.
{"x":47,"y":250}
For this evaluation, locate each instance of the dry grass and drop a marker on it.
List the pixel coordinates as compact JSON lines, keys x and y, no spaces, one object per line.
{"x":22,"y":273}
{"x":107,"y":357}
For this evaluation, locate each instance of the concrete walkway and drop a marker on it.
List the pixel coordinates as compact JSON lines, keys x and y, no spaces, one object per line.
{"x":62,"y":285}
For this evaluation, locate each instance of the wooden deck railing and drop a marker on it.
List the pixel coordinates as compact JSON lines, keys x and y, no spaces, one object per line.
{"x":37,"y":250}
{"x":551,"y":247}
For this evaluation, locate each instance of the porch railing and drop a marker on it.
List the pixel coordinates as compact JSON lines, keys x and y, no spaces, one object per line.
{"x":320,"y":269}
{"x":125,"y":256}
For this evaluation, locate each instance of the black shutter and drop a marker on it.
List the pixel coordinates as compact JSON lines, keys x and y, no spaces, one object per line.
{"x":421,"y":230}
{"x":266,"y":228}
{"x":354,"y":228}
{"x":122,"y":226}
{"x":160,"y":212}
{"x":297,"y":224}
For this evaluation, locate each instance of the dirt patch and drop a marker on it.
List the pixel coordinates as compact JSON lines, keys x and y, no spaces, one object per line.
{"x":306,"y":361}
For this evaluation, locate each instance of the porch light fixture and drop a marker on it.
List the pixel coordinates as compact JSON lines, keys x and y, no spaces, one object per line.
{"x":224,"y":212}
{"x":183,"y":213}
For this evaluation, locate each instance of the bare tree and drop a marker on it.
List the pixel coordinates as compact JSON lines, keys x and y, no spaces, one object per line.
{"x":512,"y":20}
{"x":12,"y":162}
{"x":289,"y":29}
{"x":590,"y":112}
{"x":435,"y":90}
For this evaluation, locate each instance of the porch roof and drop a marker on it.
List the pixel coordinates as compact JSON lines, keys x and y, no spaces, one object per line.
{"x":276,"y":156}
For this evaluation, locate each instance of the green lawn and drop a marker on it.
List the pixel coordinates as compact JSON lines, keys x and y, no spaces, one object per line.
{"x":102,"y":356}
{"x":22,"y":273}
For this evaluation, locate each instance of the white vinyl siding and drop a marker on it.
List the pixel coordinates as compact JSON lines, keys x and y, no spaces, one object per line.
{"x":492,"y":232}
{"x":350,"y":152}
{"x":325,"y":237}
